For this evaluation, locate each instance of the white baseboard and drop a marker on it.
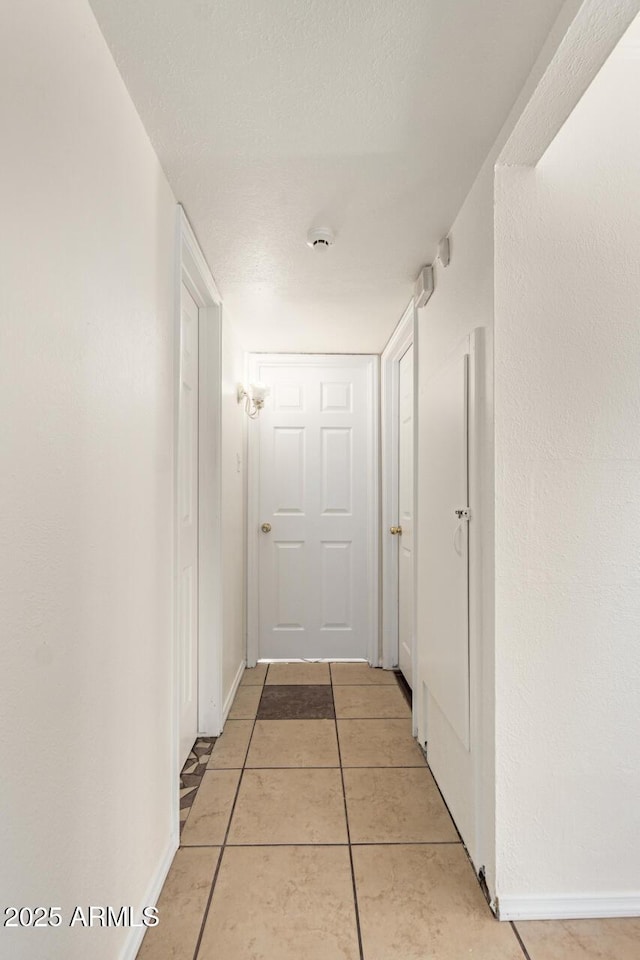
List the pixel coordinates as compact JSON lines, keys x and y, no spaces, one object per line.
{"x":568,"y":908}
{"x":234,"y":689}
{"x":135,"y":935}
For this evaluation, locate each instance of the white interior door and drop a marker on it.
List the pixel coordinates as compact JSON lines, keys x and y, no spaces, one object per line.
{"x":188,"y":525}
{"x":444,"y":427}
{"x":405,"y":516}
{"x":317,"y":496}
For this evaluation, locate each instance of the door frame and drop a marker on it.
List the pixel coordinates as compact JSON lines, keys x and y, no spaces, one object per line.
{"x":193,"y":271}
{"x":401,"y":339}
{"x":373,"y":494}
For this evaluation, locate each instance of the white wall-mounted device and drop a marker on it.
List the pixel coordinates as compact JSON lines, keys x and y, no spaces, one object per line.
{"x":423,"y":287}
{"x":444,"y":252}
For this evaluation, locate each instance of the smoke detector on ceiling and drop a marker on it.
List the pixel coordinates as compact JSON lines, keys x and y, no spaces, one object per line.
{"x":320,"y":238}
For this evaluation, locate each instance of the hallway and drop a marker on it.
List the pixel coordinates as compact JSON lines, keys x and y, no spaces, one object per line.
{"x":320,"y":335}
{"x":318,"y":832}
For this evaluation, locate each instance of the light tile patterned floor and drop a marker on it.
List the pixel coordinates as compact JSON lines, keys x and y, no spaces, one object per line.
{"x":316,"y":831}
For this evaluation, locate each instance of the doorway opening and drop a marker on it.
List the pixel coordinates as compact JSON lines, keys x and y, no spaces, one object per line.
{"x":399,"y":440}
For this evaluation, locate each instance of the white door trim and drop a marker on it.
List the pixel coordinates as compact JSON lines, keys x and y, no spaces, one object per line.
{"x":373,"y":495}
{"x":401,"y":339}
{"x":479,"y":700}
{"x":193,"y":271}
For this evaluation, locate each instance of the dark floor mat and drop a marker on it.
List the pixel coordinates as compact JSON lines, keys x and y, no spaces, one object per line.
{"x":309,"y":702}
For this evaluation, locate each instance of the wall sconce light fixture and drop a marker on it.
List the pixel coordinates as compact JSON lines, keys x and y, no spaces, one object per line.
{"x":253,"y":397}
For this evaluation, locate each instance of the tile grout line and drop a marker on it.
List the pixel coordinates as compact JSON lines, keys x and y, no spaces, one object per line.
{"x":223,"y":846}
{"x":336,"y":766}
{"x":358,"y":843}
{"x":293,"y":719}
{"x":520,"y":940}
{"x":376,"y":718}
{"x":346,"y":817}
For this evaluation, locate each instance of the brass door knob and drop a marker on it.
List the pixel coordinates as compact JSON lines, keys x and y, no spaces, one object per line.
{"x":396,"y":531}
{"x":266,"y":528}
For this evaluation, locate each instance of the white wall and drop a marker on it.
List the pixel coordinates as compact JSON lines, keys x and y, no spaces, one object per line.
{"x":234,"y":425}
{"x":86,"y":314}
{"x":567,"y":349}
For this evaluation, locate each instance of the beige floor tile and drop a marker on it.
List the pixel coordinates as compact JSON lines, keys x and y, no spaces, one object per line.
{"x":392,"y":805}
{"x":254,"y":676}
{"x":360,"y":673}
{"x":375,"y":702}
{"x":378,"y":743}
{"x":419,"y":902}
{"x":617,"y":939}
{"x":181,"y":905}
{"x":209,"y":816}
{"x":289,"y":806}
{"x":282,"y":903}
{"x":295,"y":673}
{"x":245,"y":704}
{"x":230,"y":749}
{"x":294,"y":743}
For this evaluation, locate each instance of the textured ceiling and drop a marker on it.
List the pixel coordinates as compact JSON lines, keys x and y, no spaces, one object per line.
{"x":370,"y":116}
{"x":629,"y":46}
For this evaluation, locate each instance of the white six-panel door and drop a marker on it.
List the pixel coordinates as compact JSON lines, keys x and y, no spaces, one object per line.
{"x":187,"y":547}
{"x":405,"y":516}
{"x":316,"y":474}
